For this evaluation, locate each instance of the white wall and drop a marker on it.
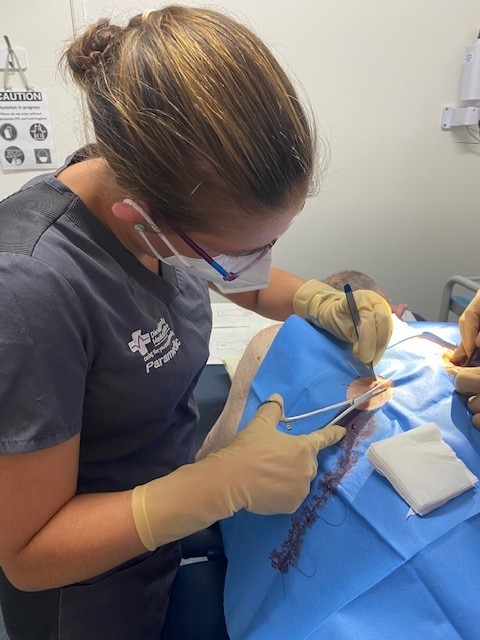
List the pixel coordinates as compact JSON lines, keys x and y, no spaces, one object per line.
{"x":43,"y":29}
{"x":401,"y":198}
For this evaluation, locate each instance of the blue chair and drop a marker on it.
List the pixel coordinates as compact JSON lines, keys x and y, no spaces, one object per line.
{"x":195,"y":611}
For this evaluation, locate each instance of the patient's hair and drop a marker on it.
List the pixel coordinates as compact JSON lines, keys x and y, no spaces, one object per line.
{"x":192,"y":113}
{"x":356,"y":279}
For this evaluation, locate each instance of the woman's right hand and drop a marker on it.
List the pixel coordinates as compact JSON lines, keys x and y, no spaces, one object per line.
{"x":273,"y":470}
{"x":263,"y":470}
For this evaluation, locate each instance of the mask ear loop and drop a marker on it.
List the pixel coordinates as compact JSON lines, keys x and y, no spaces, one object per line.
{"x":140,"y":228}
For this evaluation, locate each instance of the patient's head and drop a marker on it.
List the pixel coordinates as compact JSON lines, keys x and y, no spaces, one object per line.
{"x":360,"y":280}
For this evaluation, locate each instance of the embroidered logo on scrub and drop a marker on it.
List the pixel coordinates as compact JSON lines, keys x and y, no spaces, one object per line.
{"x":163,"y":345}
{"x":139,"y":342}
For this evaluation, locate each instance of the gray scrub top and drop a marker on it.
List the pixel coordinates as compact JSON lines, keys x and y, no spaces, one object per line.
{"x":92,"y":342}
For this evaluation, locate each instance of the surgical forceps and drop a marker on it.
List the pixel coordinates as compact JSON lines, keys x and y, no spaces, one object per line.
{"x":351,"y":404}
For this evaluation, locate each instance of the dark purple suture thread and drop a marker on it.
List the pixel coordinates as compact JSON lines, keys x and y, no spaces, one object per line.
{"x":289,"y":553}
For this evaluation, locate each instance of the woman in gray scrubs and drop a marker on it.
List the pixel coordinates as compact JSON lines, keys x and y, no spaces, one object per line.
{"x":203,"y":157}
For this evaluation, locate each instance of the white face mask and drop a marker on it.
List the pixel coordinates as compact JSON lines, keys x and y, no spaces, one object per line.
{"x":254,"y":278}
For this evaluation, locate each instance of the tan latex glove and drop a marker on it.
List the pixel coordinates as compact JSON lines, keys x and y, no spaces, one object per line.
{"x":263,"y":470}
{"x":328,"y":309}
{"x":467,"y":383}
{"x":469,"y":325}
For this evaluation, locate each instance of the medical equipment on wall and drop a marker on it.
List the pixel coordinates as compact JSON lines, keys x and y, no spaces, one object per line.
{"x":469,"y":92}
{"x":13,"y":60}
{"x":470,"y":87}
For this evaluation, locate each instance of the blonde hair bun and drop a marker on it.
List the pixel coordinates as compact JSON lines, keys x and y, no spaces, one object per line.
{"x":89,"y":50}
{"x":195,"y":116}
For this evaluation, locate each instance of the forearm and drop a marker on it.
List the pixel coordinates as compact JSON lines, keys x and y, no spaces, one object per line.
{"x":224,"y":430}
{"x":89,"y":535}
{"x":276,"y":301}
{"x":220,"y":435}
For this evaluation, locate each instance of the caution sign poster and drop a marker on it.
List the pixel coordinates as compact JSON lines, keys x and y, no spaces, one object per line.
{"x":26,"y":135}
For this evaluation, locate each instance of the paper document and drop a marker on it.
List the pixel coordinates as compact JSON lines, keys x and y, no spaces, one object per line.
{"x":233,"y":328}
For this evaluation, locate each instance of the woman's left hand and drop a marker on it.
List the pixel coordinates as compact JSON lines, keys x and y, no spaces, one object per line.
{"x":328,"y":309}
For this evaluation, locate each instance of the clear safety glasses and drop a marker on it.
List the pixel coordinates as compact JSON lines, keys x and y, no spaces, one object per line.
{"x":248,"y":260}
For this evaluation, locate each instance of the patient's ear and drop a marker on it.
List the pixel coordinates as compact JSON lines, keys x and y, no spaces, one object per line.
{"x":399,"y":309}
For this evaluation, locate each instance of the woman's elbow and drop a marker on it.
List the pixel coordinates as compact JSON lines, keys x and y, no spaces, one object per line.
{"x":24,"y":580}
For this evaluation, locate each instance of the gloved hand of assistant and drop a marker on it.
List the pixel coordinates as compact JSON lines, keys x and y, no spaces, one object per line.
{"x":328,"y":309}
{"x":467,"y":383}
{"x":469,"y":325}
{"x":467,"y":380}
{"x":263,"y":470}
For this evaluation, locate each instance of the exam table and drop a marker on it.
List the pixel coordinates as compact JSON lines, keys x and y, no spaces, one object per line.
{"x":352,"y":562}
{"x":270,"y":605}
